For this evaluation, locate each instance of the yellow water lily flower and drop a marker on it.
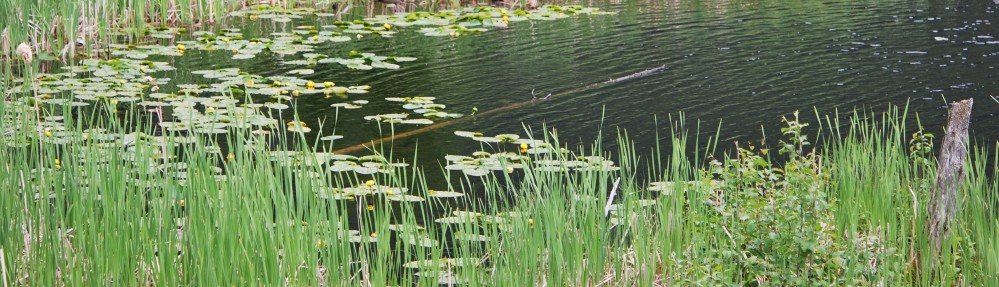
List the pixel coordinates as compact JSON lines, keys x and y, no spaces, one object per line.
{"x":310,"y":85}
{"x":328,"y":84}
{"x":387,"y":26}
{"x":370,"y":183}
{"x":249,"y":83}
{"x":180,"y":47}
{"x":295,"y":93}
{"x":371,"y":207}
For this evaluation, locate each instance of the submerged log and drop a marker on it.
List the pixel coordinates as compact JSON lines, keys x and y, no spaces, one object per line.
{"x":950,"y":177}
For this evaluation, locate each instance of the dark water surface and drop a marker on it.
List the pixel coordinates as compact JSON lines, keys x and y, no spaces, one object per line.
{"x":743,"y":63}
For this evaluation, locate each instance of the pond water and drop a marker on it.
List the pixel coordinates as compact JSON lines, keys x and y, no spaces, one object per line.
{"x":741,"y":63}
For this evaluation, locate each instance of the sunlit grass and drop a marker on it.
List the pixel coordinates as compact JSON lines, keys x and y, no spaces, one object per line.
{"x":88,"y":213}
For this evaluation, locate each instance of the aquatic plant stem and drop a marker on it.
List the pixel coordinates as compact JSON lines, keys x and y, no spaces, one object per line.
{"x":393,"y":137}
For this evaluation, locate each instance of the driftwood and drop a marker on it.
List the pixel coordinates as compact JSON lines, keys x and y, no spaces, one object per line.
{"x":950,"y":177}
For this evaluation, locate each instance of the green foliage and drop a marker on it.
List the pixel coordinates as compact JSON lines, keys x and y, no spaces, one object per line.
{"x":776,"y":226}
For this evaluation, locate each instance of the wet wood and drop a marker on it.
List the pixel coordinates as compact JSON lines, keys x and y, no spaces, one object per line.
{"x":950,"y":177}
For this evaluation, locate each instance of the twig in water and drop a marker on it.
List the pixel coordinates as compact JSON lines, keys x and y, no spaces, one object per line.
{"x":3,"y":268}
{"x":611,"y":198}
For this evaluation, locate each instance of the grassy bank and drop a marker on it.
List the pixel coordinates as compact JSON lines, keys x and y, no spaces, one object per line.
{"x":168,"y":210}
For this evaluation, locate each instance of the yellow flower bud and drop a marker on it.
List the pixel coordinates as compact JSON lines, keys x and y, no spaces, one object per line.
{"x":182,"y":203}
{"x":360,"y":36}
{"x":295,"y":93}
{"x":371,"y":207}
{"x":387,"y":26}
{"x":328,"y":84}
{"x":249,"y":83}
{"x":180,"y":47}
{"x":230,"y":156}
{"x":370,"y":183}
{"x":310,"y":85}
{"x":374,"y":235}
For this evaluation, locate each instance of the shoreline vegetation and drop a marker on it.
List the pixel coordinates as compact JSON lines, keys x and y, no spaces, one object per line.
{"x":191,"y":186}
{"x":64,"y":30}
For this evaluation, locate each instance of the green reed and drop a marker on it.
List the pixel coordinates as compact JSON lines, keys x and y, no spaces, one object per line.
{"x":113,"y":214}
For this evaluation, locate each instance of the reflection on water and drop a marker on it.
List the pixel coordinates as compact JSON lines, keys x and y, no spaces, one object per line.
{"x":741,"y":63}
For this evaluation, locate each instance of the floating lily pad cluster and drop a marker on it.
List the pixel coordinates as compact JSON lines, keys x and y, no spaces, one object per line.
{"x":424,"y":106}
{"x":116,"y":81}
{"x":364,"y":165}
{"x":278,"y":13}
{"x":355,"y":60}
{"x":668,"y":187}
{"x":165,"y":32}
{"x":477,"y":19}
{"x":581,"y":163}
{"x":359,"y":28}
{"x":628,"y":213}
{"x":443,"y":269}
{"x":482,"y":162}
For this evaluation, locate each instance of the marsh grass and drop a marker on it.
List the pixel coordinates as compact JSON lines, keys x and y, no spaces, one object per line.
{"x":126,"y":213}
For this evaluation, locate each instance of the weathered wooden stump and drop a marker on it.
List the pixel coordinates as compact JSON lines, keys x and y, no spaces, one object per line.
{"x":950,"y":177}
